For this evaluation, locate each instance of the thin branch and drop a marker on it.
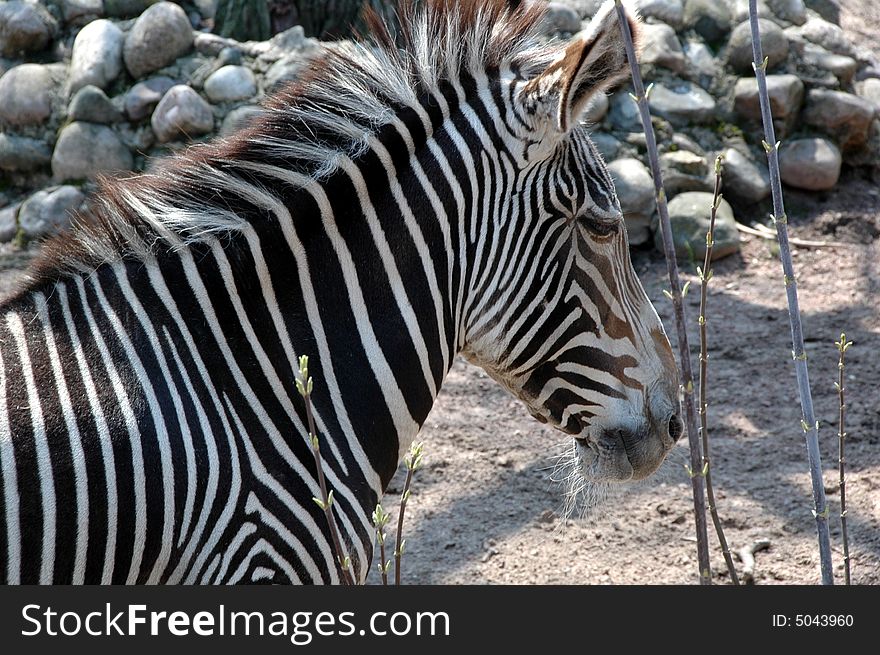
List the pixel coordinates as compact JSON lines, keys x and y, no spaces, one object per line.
{"x":705,"y":274}
{"x":808,"y":421}
{"x":842,"y":346}
{"x":766,"y":233}
{"x":325,"y":502}
{"x":413,"y":461}
{"x":687,"y":376}
{"x":747,"y":557}
{"x":380,"y":520}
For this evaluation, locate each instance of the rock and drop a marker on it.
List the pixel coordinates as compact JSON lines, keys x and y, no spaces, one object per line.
{"x":9,"y":222}
{"x":742,"y":179}
{"x":19,"y":153}
{"x":821,"y":32}
{"x":125,"y":8}
{"x":230,"y":83}
{"x":84,"y":150}
{"x":689,"y":215}
{"x":827,"y":9}
{"x":231,"y":56}
{"x":143,"y":97}
{"x":786,"y":95}
{"x":773,"y":41}
{"x":869,"y":89}
{"x":181,"y":112}
{"x":682,"y":103}
{"x":791,"y":11}
{"x":207,"y":8}
{"x":684,"y":171}
{"x":585,"y":8}
{"x":24,"y":27}
{"x":624,"y":114}
{"x":97,"y":55}
{"x":812,"y":164}
{"x":670,"y":12}
{"x":660,"y":47}
{"x":560,"y":18}
{"x":80,"y":12}
{"x":841,"y":66}
{"x":596,"y":109}
{"x":844,"y":116}
{"x":28,"y":92}
{"x":159,"y":36}
{"x":708,"y":18}
{"x":740,"y":10}
{"x":92,"y":105}
{"x":701,"y":62}
{"x":285,"y":70}
{"x":238,"y":119}
{"x":607,"y":145}
{"x":684,"y":142}
{"x":49,"y":210}
{"x":635,"y":192}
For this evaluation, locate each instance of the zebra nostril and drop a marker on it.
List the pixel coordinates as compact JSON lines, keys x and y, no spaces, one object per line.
{"x":676,"y":428}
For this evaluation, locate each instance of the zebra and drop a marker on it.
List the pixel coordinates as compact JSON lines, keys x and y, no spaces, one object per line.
{"x":416,"y":196}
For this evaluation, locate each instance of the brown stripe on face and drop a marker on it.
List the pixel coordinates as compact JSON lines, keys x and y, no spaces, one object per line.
{"x":664,"y":351}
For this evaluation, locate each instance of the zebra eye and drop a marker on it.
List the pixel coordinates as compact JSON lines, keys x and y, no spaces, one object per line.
{"x":599,"y":228}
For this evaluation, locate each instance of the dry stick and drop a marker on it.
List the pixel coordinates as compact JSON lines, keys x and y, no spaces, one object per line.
{"x":808,"y":421}
{"x":687,"y":376}
{"x":413,"y":461}
{"x":747,"y":557}
{"x":705,"y":274}
{"x":842,"y":347}
{"x":325,"y":502}
{"x":766,"y":233}
{"x":380,"y":520}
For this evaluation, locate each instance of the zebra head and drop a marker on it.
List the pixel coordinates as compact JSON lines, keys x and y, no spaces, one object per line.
{"x":567,"y":326}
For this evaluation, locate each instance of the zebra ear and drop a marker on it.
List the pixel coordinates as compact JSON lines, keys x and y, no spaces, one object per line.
{"x":595,"y":60}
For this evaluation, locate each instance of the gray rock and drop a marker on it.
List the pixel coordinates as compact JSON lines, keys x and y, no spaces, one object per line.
{"x":125,"y":8}
{"x":238,"y":119}
{"x":597,"y":109}
{"x":285,"y":70}
{"x":689,"y":215}
{"x":207,"y":8}
{"x":812,"y":164}
{"x":560,"y":18}
{"x":97,"y":55}
{"x":80,"y":12}
{"x":682,"y":103}
{"x":49,"y":210}
{"x":159,"y":36}
{"x":739,"y":10}
{"x":9,"y":222}
{"x":742,"y":179}
{"x":584,"y":8}
{"x":684,"y":171}
{"x":684,"y":142}
{"x":821,"y":32}
{"x":181,"y":112}
{"x":143,"y":97}
{"x":660,"y":47}
{"x":24,"y":27}
{"x":827,"y":9}
{"x":85,"y":150}
{"x":786,"y":95}
{"x":28,"y":92}
{"x":624,"y":114}
{"x":791,"y":11}
{"x":230,"y":56}
{"x":670,"y":12}
{"x":635,"y":192}
{"x":607,"y":145}
{"x":230,"y":83}
{"x":19,"y":153}
{"x":841,"y":66}
{"x":773,"y":41}
{"x":869,"y":89}
{"x":708,"y":18}
{"x":844,"y":116}
{"x":92,"y":105}
{"x":701,"y":62}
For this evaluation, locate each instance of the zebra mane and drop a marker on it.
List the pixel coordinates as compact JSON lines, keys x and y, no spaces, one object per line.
{"x":351,"y":91}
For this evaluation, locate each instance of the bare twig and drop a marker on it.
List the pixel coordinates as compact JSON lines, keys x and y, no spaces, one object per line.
{"x":687,"y":376}
{"x":325,"y":502}
{"x":380,"y":520}
{"x":808,"y":421}
{"x":842,"y":346}
{"x":705,"y":274}
{"x":746,"y":555}
{"x":413,"y":461}
{"x":766,"y":233}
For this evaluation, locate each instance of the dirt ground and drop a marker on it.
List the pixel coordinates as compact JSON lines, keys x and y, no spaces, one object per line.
{"x":485,"y":508}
